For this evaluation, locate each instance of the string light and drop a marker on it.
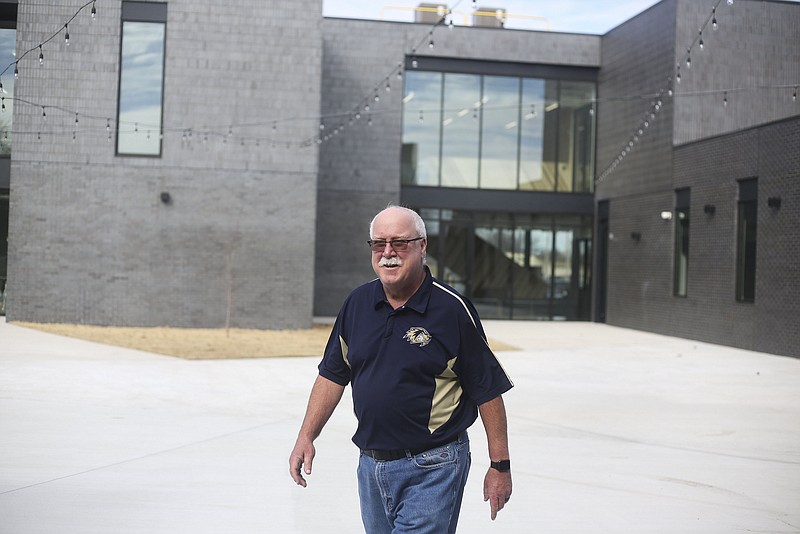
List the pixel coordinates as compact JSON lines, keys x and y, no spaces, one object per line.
{"x":714,"y":24}
{"x":41,"y":55}
{"x":94,"y":10}
{"x":725,"y":99}
{"x":385,"y":83}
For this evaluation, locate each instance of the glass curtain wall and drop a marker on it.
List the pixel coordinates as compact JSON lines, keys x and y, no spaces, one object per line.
{"x":514,"y":266}
{"x":497,"y":132}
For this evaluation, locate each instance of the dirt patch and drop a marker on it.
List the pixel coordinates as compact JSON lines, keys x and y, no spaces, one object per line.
{"x":209,"y":343}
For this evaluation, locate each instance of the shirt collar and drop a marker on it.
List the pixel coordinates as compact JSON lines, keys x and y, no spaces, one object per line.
{"x":418,"y":301}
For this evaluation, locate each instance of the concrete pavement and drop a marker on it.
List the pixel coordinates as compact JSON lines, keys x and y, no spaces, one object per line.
{"x":612,"y":431}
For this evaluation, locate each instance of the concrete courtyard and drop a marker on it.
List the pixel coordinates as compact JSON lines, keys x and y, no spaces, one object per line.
{"x":612,"y":431}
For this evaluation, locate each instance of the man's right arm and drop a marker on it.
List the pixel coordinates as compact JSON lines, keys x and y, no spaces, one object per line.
{"x":325,"y":396}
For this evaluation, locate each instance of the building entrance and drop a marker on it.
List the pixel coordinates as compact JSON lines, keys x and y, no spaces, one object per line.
{"x":513,"y":266}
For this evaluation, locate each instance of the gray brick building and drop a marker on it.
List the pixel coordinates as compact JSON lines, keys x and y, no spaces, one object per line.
{"x":271,"y":154}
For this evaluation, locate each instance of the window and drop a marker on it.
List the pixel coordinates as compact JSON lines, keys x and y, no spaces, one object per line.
{"x":141,"y":79}
{"x":681,"y":256}
{"x":746,"y":240}
{"x":513,"y":266}
{"x":8,"y":46}
{"x":501,"y":132}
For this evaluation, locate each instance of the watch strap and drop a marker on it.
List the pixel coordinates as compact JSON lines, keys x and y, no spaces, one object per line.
{"x":504,"y":466}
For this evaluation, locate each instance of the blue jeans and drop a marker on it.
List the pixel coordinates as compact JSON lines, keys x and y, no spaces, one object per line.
{"x":420,"y":493}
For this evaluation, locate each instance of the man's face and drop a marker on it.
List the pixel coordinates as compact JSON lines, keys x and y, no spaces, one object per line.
{"x":401,"y":271}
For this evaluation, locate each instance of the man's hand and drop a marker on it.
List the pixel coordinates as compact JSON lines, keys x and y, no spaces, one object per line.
{"x":302,"y":456}
{"x":496,"y":490}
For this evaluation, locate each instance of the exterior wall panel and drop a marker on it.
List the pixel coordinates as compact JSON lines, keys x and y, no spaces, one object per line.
{"x":91,"y":241}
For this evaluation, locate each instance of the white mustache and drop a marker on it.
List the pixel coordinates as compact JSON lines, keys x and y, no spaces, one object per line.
{"x":390,"y":262}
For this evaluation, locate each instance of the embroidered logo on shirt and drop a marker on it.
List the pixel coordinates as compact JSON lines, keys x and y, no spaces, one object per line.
{"x":417,"y":335}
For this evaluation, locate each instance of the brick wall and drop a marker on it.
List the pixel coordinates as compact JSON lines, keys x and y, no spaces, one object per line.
{"x":90,"y":240}
{"x":700,"y":144}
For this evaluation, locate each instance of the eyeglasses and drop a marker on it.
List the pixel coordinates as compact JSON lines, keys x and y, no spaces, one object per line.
{"x":399,"y":245}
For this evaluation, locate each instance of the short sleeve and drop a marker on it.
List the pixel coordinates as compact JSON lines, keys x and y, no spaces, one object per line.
{"x":334,"y":365}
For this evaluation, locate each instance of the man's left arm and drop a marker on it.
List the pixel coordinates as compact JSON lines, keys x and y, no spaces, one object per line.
{"x":497,"y":483}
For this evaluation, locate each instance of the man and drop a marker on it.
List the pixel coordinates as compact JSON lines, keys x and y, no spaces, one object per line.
{"x":415,"y":354}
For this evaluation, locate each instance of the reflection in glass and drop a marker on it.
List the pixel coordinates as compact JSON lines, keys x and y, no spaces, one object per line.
{"x":575,"y":145}
{"x":422,"y":119}
{"x":681,"y":267}
{"x":747,"y":217}
{"x":500,"y":132}
{"x":494,"y":267}
{"x":8,"y":39}
{"x":514,"y":266}
{"x":531,"y":165}
{"x":141,"y":87}
{"x":460,"y":132}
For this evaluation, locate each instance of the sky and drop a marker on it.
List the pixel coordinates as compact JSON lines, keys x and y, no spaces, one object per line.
{"x":574,"y":16}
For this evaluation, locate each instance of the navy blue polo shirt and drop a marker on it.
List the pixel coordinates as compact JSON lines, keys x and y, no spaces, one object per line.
{"x":418,"y":373}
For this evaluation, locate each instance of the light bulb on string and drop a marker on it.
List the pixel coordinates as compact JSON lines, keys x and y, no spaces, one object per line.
{"x":94,"y":10}
{"x":388,"y":87}
{"x":450,"y":24}
{"x":678,"y":75}
{"x":44,"y":113}
{"x":369,"y":120}
{"x":701,"y":44}
{"x":66,"y":34}
{"x":76,"y":118}
{"x":430,"y":40}
{"x":688,"y":58}
{"x":725,"y":99}
{"x":16,"y":69}
{"x":794,"y":95}
{"x":41,"y":55}
{"x":366,"y":106}
{"x":414,"y":63}
{"x":714,"y":24}
{"x":399,"y":71}
{"x":377,"y":98}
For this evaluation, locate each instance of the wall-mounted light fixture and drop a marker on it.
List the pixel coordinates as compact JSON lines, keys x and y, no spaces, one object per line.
{"x":636,"y":236}
{"x":774,"y":202}
{"x":666,"y":215}
{"x":166,"y":198}
{"x":709,"y":209}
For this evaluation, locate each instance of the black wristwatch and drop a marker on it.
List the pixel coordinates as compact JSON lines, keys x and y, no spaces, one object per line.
{"x":504,"y":466}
